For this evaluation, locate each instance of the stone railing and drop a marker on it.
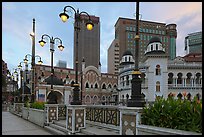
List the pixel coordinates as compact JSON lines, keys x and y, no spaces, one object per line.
{"x":152,"y":130}
{"x":103,"y":114}
{"x":61,"y":111}
{"x":55,"y":112}
{"x":25,"y":113}
{"x":5,"y":107}
{"x":37,"y":116}
{"x":18,"y":108}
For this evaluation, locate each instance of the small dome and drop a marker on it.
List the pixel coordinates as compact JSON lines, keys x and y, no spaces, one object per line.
{"x":127,"y":52}
{"x":154,"y":46}
{"x":154,"y":39}
{"x":56,"y":81}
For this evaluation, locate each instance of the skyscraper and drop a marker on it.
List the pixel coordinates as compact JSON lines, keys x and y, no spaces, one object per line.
{"x":89,"y":43}
{"x":193,"y":43}
{"x":125,"y":34}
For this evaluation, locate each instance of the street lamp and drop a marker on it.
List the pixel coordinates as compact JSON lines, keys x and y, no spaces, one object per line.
{"x":137,"y":99}
{"x":61,"y":47}
{"x":15,"y":82}
{"x":89,"y":25}
{"x":25,"y":61}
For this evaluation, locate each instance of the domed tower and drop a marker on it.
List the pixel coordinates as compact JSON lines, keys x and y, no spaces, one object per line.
{"x":154,"y":46}
{"x":127,"y":58}
{"x":156,"y":59}
{"x":172,"y":32}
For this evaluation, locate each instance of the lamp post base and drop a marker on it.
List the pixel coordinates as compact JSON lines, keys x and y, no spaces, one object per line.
{"x":76,"y":100}
{"x":140,"y":102}
{"x":137,"y":99}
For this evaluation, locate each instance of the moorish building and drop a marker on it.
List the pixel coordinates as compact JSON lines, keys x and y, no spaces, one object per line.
{"x":97,"y":87}
{"x":125,"y":29}
{"x":160,"y":76}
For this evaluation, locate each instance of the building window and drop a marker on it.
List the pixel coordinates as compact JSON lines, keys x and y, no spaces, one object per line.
{"x":188,"y":79}
{"x":109,"y":86}
{"x":170,"y":79}
{"x":158,"y":70}
{"x":129,"y":59}
{"x":87,"y":85}
{"x":127,"y":80}
{"x":197,"y":80}
{"x":179,"y":80}
{"x":104,"y":86}
{"x":151,"y":47}
{"x":125,"y":59}
{"x":157,"y":86}
{"x":156,"y":46}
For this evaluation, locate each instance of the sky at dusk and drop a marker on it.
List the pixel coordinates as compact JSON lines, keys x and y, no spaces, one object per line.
{"x":17,"y":25}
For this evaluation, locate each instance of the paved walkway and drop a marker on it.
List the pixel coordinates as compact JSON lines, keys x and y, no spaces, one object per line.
{"x":14,"y":125}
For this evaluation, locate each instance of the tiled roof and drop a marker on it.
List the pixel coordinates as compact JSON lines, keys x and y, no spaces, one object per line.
{"x":193,"y":57}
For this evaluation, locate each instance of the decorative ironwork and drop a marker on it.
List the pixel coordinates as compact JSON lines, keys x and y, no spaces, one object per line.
{"x":128,"y":124}
{"x":62,"y":111}
{"x":69,"y":121}
{"x":52,"y":113}
{"x":79,"y":119}
{"x":103,"y":115}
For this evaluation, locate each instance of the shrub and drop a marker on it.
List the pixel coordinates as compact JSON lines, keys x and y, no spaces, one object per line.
{"x":176,"y":114}
{"x":38,"y":105}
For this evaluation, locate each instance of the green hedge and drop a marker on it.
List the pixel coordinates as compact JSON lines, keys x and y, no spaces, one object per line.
{"x":38,"y":105}
{"x":174,"y":113}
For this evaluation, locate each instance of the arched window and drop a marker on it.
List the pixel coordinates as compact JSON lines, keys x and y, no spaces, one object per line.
{"x":189,"y":96}
{"x":157,"y":86}
{"x":151,"y":47}
{"x":115,"y":86}
{"x":91,"y":86}
{"x":127,"y":80}
{"x":170,"y":79}
{"x":87,"y":85}
{"x":129,"y":59}
{"x":179,"y":96}
{"x":42,"y":74}
{"x":188,"y":79}
{"x":158,"y":70}
{"x":123,"y":81}
{"x":125,"y":59}
{"x":197,"y":80}
{"x":179,"y":80}
{"x":104,"y":86}
{"x":109,"y":86}
{"x":156,"y":46}
{"x":96,"y":85}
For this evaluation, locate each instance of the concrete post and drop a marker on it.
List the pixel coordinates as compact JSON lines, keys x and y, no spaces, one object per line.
{"x":129,"y":120}
{"x":75,"y":118}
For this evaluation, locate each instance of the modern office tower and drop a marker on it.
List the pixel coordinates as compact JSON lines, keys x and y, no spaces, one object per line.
{"x":113,"y":57}
{"x":89,"y":43}
{"x":61,"y":64}
{"x":4,"y":68}
{"x":193,"y":43}
{"x":125,"y":33}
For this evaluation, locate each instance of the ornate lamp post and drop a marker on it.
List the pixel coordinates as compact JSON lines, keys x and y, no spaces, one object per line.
{"x":89,"y":25}
{"x":137,"y":99}
{"x":25,"y":61}
{"x":12,"y":76}
{"x":61,"y":47}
